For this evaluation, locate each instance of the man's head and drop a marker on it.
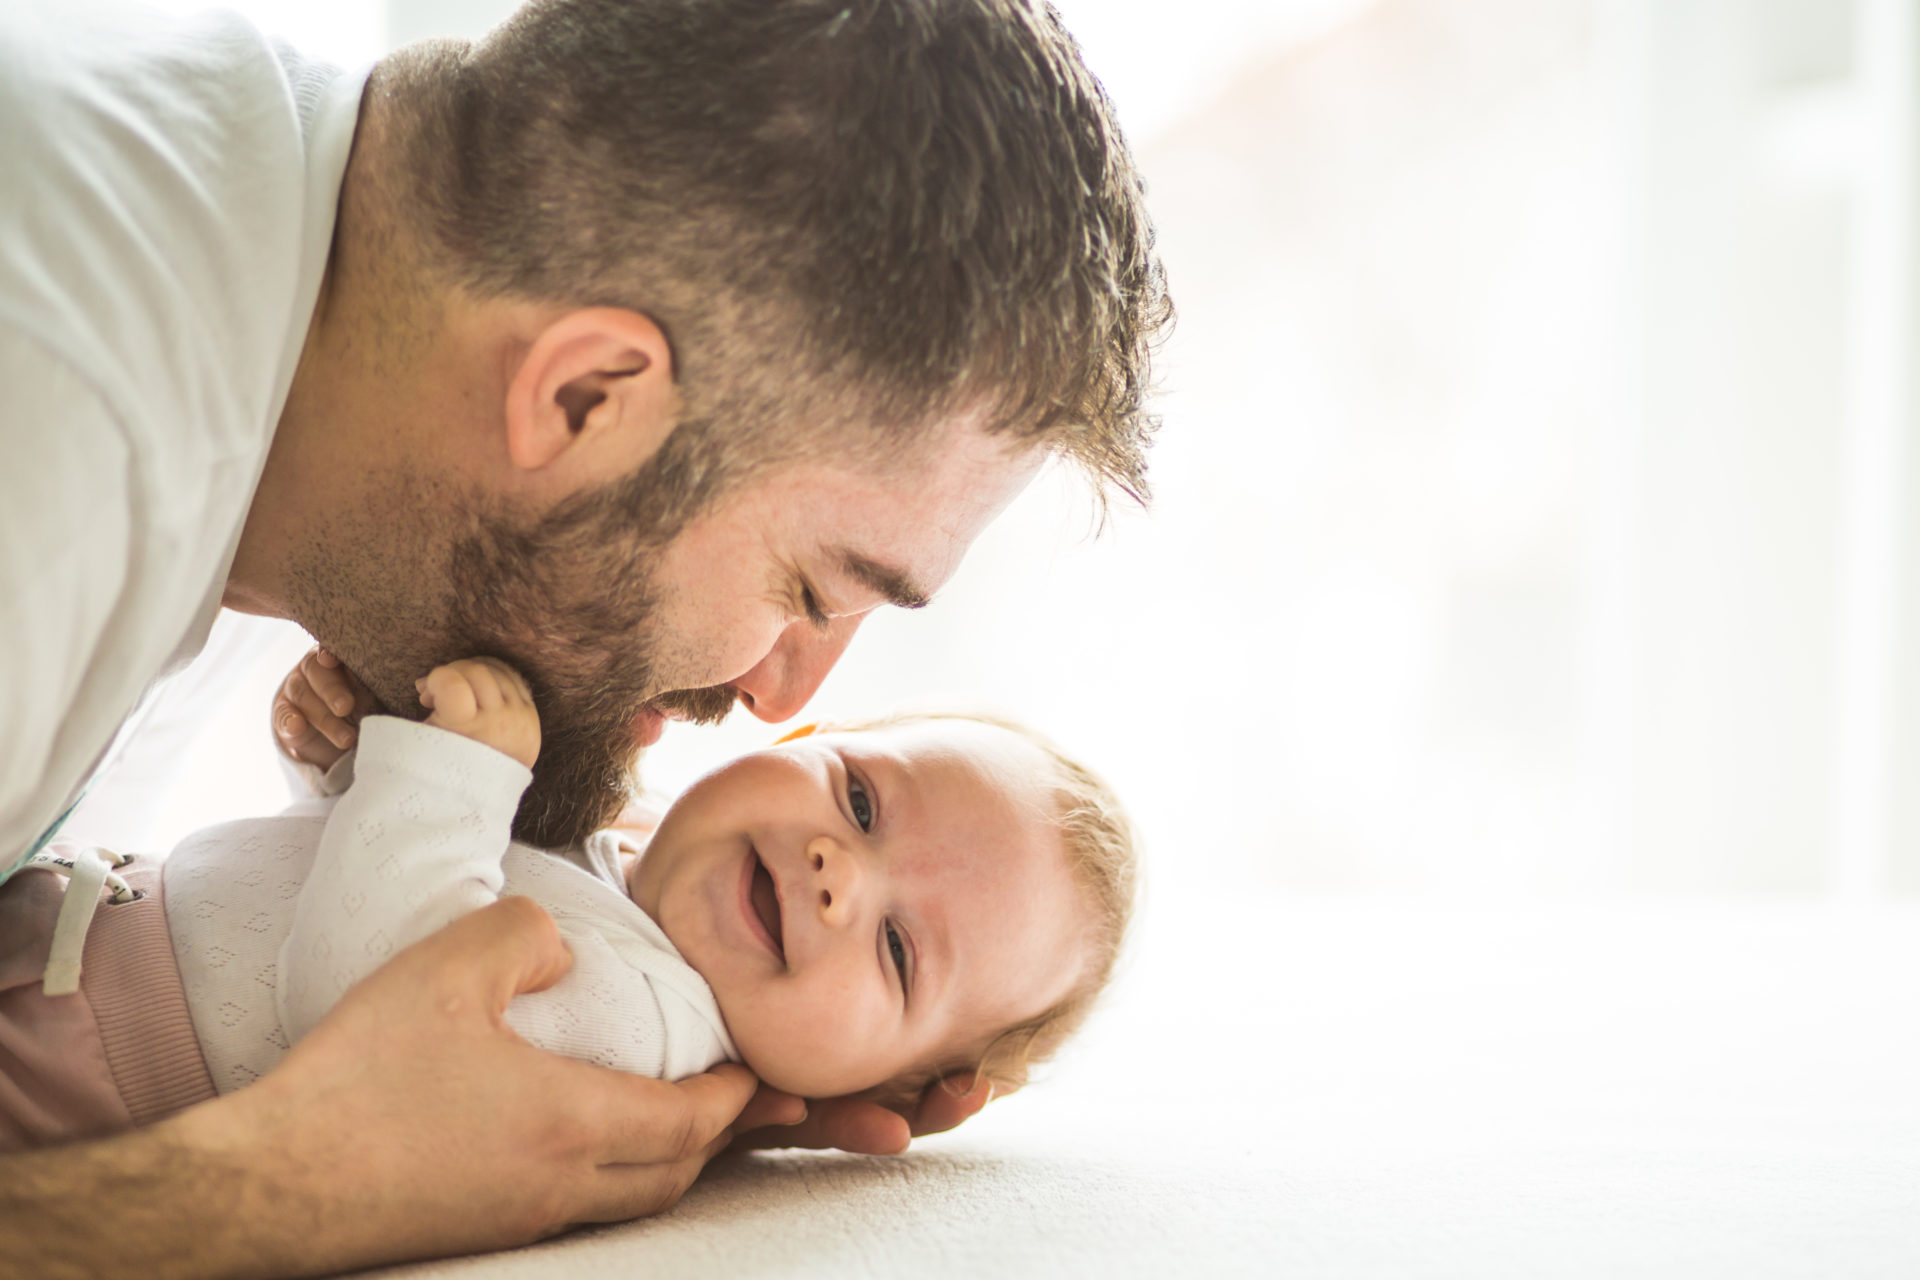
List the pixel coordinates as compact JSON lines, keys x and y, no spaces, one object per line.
{"x":844,"y":215}
{"x":707,"y":328}
{"x":879,"y":906}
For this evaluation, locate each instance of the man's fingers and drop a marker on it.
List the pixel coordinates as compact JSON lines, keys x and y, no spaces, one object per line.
{"x":660,"y":1122}
{"x":505,"y":949}
{"x":944,"y":1104}
{"x":770,"y":1107}
{"x":713,"y":1100}
{"x":626,"y":1191}
{"x":540,"y":956}
{"x":845,"y":1123}
{"x":640,"y":1190}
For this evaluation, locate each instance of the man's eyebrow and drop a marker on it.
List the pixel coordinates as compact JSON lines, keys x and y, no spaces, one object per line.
{"x":891,"y":583}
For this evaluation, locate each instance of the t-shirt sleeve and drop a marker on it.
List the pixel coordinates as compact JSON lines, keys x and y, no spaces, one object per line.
{"x":413,"y":845}
{"x":64,"y":494}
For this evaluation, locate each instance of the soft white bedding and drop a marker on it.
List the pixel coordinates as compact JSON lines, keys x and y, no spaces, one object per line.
{"x":1311,"y":1087}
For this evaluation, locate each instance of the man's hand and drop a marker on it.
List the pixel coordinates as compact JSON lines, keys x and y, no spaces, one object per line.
{"x":318,"y":708}
{"x":853,"y":1124}
{"x":486,"y":700}
{"x":411,"y":1123}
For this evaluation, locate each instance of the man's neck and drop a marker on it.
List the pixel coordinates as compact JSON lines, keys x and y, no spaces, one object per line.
{"x":346,"y":414}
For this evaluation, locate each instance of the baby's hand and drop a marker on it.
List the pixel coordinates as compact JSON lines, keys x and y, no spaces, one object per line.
{"x":486,"y":700}
{"x":317,"y":707}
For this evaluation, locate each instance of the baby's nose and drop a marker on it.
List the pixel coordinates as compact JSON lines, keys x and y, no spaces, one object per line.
{"x":836,"y":879}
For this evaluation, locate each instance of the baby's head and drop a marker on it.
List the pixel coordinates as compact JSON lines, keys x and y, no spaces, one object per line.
{"x":881,"y":905}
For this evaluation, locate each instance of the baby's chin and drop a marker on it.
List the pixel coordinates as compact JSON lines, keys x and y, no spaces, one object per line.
{"x":794,"y":1073}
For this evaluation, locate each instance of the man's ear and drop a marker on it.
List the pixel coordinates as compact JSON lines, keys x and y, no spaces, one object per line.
{"x":595,"y":386}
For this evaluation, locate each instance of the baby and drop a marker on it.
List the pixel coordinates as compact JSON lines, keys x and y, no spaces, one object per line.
{"x":865,"y":910}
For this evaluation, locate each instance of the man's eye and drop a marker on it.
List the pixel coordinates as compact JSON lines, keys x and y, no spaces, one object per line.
{"x":898,"y":950}
{"x":810,"y":605}
{"x":861,"y":805}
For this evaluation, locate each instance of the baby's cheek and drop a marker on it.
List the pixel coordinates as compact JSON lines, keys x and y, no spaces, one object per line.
{"x":815,"y":1050}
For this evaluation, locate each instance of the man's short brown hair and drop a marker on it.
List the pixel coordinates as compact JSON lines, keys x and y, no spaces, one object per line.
{"x":879,"y":213}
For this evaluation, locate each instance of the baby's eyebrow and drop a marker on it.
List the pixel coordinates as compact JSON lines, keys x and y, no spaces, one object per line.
{"x":892,"y":584}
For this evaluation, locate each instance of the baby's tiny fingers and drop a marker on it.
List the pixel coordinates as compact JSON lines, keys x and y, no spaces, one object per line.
{"x":506,"y":680}
{"x":449,"y":692}
{"x":329,"y":682}
{"x":314,"y":708}
{"x":289,"y":724}
{"x":516,"y":685}
{"x":300,"y":740}
{"x":487,"y":693}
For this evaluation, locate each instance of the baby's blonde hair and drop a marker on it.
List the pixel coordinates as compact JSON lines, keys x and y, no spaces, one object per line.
{"x":1100,"y":845}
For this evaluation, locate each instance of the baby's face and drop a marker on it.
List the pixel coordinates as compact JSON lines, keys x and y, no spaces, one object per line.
{"x":864,"y":904}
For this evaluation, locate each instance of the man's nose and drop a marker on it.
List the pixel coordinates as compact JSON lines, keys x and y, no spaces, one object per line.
{"x":780,"y":684}
{"x":836,"y":880}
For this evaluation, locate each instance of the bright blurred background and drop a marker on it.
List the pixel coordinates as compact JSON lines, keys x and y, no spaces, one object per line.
{"x":1534,"y":503}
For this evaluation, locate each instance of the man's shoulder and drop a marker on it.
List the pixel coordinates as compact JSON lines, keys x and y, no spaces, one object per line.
{"x":158,"y":240}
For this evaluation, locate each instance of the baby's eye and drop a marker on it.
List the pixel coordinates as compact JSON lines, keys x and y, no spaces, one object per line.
{"x":862,"y":806}
{"x":898,"y":950}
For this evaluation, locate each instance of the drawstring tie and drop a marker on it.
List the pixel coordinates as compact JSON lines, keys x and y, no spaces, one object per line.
{"x":86,"y":872}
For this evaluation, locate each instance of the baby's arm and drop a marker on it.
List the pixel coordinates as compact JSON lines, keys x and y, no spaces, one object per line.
{"x":416,"y":842}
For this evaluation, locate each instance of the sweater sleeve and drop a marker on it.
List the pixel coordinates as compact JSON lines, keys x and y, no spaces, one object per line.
{"x":413,"y":845}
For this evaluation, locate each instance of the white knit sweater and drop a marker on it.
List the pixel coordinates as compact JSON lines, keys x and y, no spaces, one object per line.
{"x":274,"y":918}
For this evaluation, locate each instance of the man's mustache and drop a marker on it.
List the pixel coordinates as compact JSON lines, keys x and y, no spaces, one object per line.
{"x":697,"y":706}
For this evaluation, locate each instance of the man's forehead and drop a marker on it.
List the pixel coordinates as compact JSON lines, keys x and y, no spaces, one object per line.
{"x":900,"y":530}
{"x":965,"y":454}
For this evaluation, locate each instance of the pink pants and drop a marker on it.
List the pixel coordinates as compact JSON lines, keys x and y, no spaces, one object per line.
{"x":117,"y":1053}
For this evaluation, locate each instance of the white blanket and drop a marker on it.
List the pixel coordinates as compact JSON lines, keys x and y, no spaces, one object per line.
{"x":1335,"y":1088}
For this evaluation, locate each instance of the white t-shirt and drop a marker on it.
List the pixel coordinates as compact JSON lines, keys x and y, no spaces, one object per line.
{"x":273,"y":919}
{"x":168,"y":190}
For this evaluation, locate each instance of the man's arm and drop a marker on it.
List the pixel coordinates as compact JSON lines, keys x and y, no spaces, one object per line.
{"x":411,"y":1123}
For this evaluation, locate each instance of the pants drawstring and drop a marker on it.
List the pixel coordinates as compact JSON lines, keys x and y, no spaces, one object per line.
{"x":86,"y":872}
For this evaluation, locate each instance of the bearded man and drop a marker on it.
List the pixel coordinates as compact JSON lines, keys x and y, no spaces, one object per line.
{"x":646,"y":344}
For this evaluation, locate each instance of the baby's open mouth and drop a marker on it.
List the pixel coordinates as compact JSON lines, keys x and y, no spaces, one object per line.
{"x":766,"y":904}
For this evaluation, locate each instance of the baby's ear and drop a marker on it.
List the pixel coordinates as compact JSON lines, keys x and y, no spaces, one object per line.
{"x":803,"y":731}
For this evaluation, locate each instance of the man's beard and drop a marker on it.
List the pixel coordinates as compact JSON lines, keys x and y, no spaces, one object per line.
{"x":585,"y":774}
{"x":569,"y":599}
{"x":570,"y":602}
